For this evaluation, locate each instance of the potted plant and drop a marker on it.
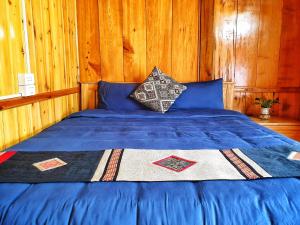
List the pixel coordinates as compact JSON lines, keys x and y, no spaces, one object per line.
{"x":266,"y":105}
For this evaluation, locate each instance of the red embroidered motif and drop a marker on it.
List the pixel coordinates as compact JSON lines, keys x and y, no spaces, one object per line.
{"x":112,"y":166}
{"x":174,"y":163}
{"x":241,"y":166}
{"x":49,"y":164}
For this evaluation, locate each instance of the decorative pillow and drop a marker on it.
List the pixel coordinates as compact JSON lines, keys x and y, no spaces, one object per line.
{"x":201,"y":95}
{"x":115,"y":96}
{"x":158,"y":92}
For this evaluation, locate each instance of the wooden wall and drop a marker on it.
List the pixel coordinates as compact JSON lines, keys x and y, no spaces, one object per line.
{"x":52,"y":40}
{"x":123,"y":40}
{"x":248,"y":43}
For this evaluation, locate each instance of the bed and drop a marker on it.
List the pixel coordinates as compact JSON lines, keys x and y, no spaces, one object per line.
{"x":264,"y":201}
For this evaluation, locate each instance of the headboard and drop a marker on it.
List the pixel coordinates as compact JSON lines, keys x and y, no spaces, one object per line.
{"x":89,"y":95}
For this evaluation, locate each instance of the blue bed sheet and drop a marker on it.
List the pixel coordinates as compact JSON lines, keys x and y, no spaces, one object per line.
{"x":268,"y":201}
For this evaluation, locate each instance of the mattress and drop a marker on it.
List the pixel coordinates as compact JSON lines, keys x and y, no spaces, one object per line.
{"x":266,"y":201}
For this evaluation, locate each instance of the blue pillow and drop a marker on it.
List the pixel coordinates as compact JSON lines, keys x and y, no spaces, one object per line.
{"x":200,"y":95}
{"x":115,"y":96}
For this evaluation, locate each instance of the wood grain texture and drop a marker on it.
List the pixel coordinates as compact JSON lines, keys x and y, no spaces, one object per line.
{"x":159,"y":35}
{"x":225,"y":31}
{"x":88,"y":40}
{"x":111,"y":39}
{"x":207,"y":43}
{"x":289,"y":67}
{"x":252,"y":43}
{"x":269,"y":43}
{"x":89,"y":96}
{"x":247,"y":42}
{"x":283,"y":125}
{"x":2,"y":142}
{"x":134,"y":40}
{"x":52,"y":38}
{"x":11,"y":44}
{"x":185,"y":40}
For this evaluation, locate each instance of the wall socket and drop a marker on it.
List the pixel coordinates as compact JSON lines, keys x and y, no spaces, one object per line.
{"x":27,"y":90}
{"x":26,"y":84}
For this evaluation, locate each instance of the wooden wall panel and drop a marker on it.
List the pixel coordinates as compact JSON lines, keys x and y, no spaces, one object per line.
{"x":251,"y":43}
{"x":52,"y":38}
{"x":225,"y":20}
{"x":185,"y":40}
{"x":269,"y":43}
{"x":23,"y":122}
{"x":134,"y":40}
{"x":88,"y":40}
{"x":11,"y":45}
{"x":111,"y":40}
{"x":159,"y":35}
{"x":207,"y":43}
{"x":289,"y":67}
{"x":247,"y":42}
{"x":135,"y":36}
{"x":1,"y":130}
{"x":10,"y":127}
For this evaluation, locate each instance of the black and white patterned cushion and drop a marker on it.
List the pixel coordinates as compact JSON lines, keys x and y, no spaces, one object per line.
{"x":158,"y":92}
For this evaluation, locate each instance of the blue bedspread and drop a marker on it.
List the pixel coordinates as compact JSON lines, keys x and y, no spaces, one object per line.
{"x":269,"y":201}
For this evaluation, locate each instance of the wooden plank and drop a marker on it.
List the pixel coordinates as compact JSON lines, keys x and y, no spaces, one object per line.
{"x":11,"y":43}
{"x":228,"y":94}
{"x":207,"y":40}
{"x":74,"y":67}
{"x":31,"y":34}
{"x":239,"y":102}
{"x":5,"y":71}
{"x":269,"y":43}
{"x":134,"y":40}
{"x":37,"y":45}
{"x":289,"y":67}
{"x":2,"y":146}
{"x":289,"y":105}
{"x":48,"y":47}
{"x":185,"y":39}
{"x":10,"y":127}
{"x":159,"y":35}
{"x":111,"y":40}
{"x":88,"y":40}
{"x":225,"y":20}
{"x":47,"y":113}
{"x":15,"y":102}
{"x":89,"y":96}
{"x":58,"y":81}
{"x":66,"y":41}
{"x":247,"y":42}
{"x":25,"y":124}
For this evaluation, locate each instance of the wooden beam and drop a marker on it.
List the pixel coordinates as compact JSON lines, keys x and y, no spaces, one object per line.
{"x":20,"y":101}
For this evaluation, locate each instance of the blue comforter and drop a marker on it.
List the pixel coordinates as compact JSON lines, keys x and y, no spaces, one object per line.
{"x":269,"y":201}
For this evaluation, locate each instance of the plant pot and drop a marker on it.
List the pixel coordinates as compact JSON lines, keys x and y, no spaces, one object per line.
{"x":265,"y":113}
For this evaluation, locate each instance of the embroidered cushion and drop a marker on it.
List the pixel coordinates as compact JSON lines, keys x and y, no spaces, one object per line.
{"x":158,"y":92}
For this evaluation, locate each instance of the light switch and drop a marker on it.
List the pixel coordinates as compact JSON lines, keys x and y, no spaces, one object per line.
{"x":26,"y":78}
